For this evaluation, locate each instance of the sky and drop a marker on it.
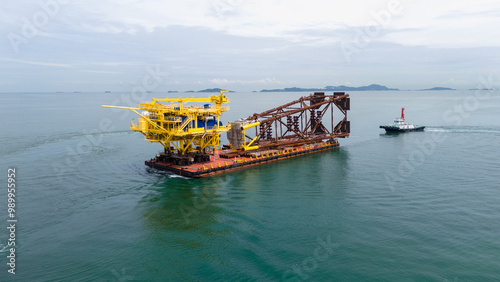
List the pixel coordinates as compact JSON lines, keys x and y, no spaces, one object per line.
{"x":245,"y":45}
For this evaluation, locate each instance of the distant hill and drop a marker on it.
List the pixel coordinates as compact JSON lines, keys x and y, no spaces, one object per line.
{"x":437,"y":88}
{"x":213,"y":90}
{"x":372,"y":87}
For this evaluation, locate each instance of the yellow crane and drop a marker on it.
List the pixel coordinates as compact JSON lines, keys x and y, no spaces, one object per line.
{"x":182,"y":128}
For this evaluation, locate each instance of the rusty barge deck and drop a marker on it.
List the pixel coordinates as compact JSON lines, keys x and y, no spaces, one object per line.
{"x":219,"y":164}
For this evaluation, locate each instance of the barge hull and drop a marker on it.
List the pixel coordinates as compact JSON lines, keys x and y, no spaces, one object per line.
{"x":218,"y":165}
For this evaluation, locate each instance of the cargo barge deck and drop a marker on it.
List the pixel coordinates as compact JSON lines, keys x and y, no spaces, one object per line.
{"x":218,"y":164}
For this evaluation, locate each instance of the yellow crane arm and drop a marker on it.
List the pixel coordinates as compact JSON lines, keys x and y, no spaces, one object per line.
{"x":250,"y":125}
{"x":135,"y":111}
{"x":214,"y":99}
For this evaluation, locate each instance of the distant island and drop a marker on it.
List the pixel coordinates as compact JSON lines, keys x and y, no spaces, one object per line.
{"x":214,"y":90}
{"x":371,"y":87}
{"x":437,"y":88}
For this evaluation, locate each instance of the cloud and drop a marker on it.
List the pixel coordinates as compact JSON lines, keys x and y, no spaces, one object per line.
{"x":36,"y":63}
{"x":113,"y":64}
{"x":102,"y":71}
{"x":447,"y":24}
{"x":436,"y":24}
{"x":239,"y":43}
{"x":441,"y":24}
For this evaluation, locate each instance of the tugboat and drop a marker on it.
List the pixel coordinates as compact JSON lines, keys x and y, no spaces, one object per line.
{"x":401,"y":126}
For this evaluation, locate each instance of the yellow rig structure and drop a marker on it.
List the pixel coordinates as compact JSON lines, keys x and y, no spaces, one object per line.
{"x":187,"y":132}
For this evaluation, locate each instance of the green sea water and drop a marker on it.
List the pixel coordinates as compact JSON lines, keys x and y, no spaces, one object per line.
{"x":420,"y":206}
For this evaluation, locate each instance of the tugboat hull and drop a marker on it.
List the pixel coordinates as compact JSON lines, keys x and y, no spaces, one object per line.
{"x":394,"y":129}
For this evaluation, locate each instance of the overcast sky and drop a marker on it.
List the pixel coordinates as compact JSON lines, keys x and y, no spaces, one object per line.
{"x":245,"y":45}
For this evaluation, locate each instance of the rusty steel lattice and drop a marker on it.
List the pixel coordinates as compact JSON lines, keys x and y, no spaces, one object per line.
{"x":296,"y":123}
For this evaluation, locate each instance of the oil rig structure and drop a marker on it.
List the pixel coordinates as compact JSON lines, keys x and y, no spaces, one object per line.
{"x":189,"y":130}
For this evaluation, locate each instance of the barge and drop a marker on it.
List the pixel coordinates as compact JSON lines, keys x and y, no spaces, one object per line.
{"x":190,"y":133}
{"x":219,"y":164}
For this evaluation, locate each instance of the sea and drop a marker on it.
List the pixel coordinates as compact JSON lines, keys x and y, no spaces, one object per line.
{"x":418,"y":206}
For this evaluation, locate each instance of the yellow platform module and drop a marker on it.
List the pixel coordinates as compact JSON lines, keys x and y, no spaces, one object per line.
{"x":182,"y":128}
